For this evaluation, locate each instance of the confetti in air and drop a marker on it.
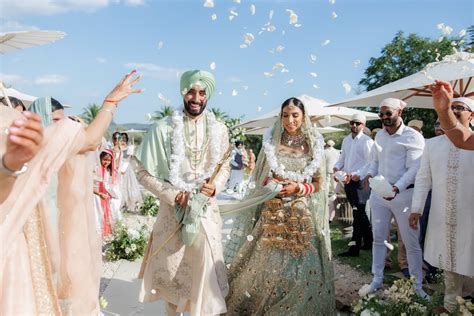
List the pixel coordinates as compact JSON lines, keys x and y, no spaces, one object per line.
{"x":325,"y":43}
{"x":252,"y":9}
{"x":312,"y":58}
{"x":248,"y":38}
{"x":293,"y":16}
{"x":214,"y":17}
{"x":462,"y":33}
{"x":334,"y":15}
{"x":445,"y":29}
{"x":212,"y":66}
{"x":160,"y":44}
{"x":291,"y":81}
{"x":229,"y":221}
{"x":315,"y":86}
{"x":234,"y":93}
{"x":249,"y":238}
{"x":313,"y":74}
{"x":209,"y":4}
{"x":332,"y":1}
{"x":347,"y":87}
{"x":388,"y":245}
{"x":279,"y":48}
{"x":356,"y":63}
{"x":268,"y":74}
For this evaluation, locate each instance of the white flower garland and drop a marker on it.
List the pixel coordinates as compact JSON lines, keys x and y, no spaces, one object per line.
{"x":279,"y":169}
{"x":178,"y":152}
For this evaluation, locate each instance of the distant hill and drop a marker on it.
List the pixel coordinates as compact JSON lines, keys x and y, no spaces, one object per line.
{"x":127,"y":126}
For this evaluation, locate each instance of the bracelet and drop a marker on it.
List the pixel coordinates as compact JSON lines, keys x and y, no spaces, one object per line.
{"x":107,"y":110}
{"x":12,"y":173}
{"x":451,"y":128}
{"x":301,"y":190}
{"x":111,"y":101}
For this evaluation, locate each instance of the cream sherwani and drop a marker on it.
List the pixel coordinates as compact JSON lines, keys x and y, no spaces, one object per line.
{"x":191,"y":277}
{"x":448,"y":172}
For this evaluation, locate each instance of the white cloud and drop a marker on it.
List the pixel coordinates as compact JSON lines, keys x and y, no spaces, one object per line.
{"x":50,"y":80}
{"x":155,"y":71}
{"x":11,"y":79}
{"x":101,"y":60}
{"x":51,"y":7}
{"x":13,"y":26}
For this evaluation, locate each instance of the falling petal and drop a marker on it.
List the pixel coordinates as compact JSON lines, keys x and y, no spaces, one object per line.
{"x":283,"y":32}
{"x":270,"y":14}
{"x":312,"y":58}
{"x":405,"y":209}
{"x":313,"y":74}
{"x":252,"y":9}
{"x":388,"y":245}
{"x":356,"y":63}
{"x":237,"y":1}
{"x":153,"y":291}
{"x":228,"y":266}
{"x":297,"y":25}
{"x":248,"y":38}
{"x":315,"y":86}
{"x":293,"y":16}
{"x":231,"y":17}
{"x":260,"y":32}
{"x":462,"y":33}
{"x":334,"y":15}
{"x":347,"y":87}
{"x":284,"y":70}
{"x":234,"y":92}
{"x":160,"y":44}
{"x":332,"y":1}
{"x":213,"y":66}
{"x":278,"y":66}
{"x":209,"y":3}
{"x":259,"y":109}
{"x":247,"y":294}
{"x":271,"y":28}
{"x":291,"y":81}
{"x":214,"y":17}
{"x":243,"y":46}
{"x":228,"y":237}
{"x":245,"y":87}
{"x":229,"y":221}
{"x":234,"y":13}
{"x":326,"y":42}
{"x":249,"y":238}
{"x":280,"y":48}
{"x":265,"y":93}
{"x":148,"y":116}
{"x":352,"y":243}
{"x":268,"y":74}
{"x":271,"y":51}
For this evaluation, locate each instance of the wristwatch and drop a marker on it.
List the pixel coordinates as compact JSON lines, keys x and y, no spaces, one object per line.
{"x":12,"y":173}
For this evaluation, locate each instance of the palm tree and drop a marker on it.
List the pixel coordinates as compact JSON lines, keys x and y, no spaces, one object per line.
{"x":164,"y":112}
{"x":90,"y":112}
{"x":220,"y":115}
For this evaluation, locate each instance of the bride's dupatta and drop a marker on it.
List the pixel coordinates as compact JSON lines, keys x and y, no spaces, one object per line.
{"x":27,"y":247}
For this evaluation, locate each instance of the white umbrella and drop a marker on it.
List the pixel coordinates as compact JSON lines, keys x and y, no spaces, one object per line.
{"x":135,"y":131}
{"x":322,"y":130}
{"x":319,"y":111}
{"x":24,"y":39}
{"x":12,"y":41}
{"x":25,"y":98}
{"x":457,"y":68}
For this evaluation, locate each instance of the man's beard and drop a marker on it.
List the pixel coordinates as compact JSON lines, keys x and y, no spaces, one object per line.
{"x":391,"y":121}
{"x":192,"y":112}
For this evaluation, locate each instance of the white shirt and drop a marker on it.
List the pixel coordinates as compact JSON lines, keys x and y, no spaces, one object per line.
{"x":355,"y":154}
{"x":332,"y":155}
{"x":397,"y":157}
{"x":447,"y":170}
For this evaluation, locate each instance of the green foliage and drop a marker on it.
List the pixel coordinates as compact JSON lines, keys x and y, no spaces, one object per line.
{"x":337,"y":137}
{"x":126,"y":243}
{"x":90,"y":112}
{"x":404,"y":56}
{"x":164,"y":112}
{"x":150,"y":206}
{"x":220,"y":115}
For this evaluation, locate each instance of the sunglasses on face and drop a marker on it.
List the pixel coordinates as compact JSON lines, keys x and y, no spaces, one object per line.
{"x":387,"y":113}
{"x":459,"y":108}
{"x":354,"y":123}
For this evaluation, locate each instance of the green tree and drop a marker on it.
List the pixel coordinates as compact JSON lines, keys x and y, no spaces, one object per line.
{"x":90,"y":112}
{"x":164,"y":112}
{"x":404,"y":56}
{"x":219,"y":114}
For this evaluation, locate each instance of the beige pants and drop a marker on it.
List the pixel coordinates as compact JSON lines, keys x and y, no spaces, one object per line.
{"x":456,"y":285}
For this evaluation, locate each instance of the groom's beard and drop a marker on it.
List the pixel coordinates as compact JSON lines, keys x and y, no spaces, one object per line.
{"x":191,"y":107}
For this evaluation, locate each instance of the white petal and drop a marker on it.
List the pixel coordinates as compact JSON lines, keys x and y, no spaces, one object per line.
{"x":268,"y":74}
{"x":313,"y":74}
{"x":233,"y":12}
{"x":278,"y":66}
{"x":231,"y":17}
{"x":228,"y":237}
{"x":271,"y":51}
{"x":260,"y":32}
{"x":209,"y":3}
{"x":462,"y":33}
{"x":326,"y":42}
{"x":265,"y":93}
{"x":297,"y":25}
{"x":247,"y":294}
{"x":347,"y":87}
{"x":248,"y":38}
{"x":160,"y":44}
{"x":293,"y":16}
{"x":280,"y":48}
{"x":284,"y":70}
{"x":352,"y":243}
{"x":243,"y":46}
{"x":312,"y":58}
{"x":356,"y":63}
{"x":271,"y":28}
{"x":153,"y":291}
{"x":283,"y":32}
{"x":213,"y":66}
{"x":249,"y":237}
{"x":252,"y":9}
{"x":259,"y":109}
{"x":291,"y":81}
{"x":229,"y":221}
{"x":334,"y":15}
{"x":214,"y":17}
{"x":237,"y":1}
{"x":148,"y":116}
{"x":332,"y":1}
{"x":388,"y":245}
{"x":234,"y":92}
{"x":245,"y":87}
{"x":270,"y":14}
{"x":440,"y":26}
{"x":315,"y":86}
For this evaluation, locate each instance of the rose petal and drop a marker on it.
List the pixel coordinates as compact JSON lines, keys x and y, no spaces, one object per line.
{"x":325,"y":43}
{"x":249,"y":238}
{"x":347,"y":87}
{"x":292,"y":16}
{"x":214,"y":17}
{"x":291,"y":81}
{"x":388,"y":245}
{"x":313,"y":74}
{"x":234,"y":92}
{"x":334,"y":15}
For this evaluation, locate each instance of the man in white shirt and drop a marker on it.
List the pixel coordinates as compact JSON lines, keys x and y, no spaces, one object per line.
{"x":449,"y":242}
{"x":331,"y":155}
{"x":354,"y":160}
{"x":237,"y":165}
{"x":397,"y":152}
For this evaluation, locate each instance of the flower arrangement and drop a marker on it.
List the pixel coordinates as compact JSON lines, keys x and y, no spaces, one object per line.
{"x":126,"y":243}
{"x":150,"y":206}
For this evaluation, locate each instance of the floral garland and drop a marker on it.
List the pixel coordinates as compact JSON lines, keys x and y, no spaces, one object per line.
{"x":178,"y":153}
{"x":279,"y":169}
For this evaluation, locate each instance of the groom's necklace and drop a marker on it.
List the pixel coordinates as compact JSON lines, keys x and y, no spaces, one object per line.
{"x":293,"y":141}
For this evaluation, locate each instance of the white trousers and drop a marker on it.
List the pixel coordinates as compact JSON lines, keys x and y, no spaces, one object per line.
{"x":382,"y":213}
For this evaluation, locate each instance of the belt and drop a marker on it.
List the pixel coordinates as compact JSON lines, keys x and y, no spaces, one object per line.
{"x":411,"y":186}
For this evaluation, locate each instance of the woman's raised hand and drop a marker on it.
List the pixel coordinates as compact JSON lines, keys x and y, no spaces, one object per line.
{"x":124,"y":88}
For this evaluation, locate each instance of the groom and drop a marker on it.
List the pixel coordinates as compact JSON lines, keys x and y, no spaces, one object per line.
{"x":184,"y":263}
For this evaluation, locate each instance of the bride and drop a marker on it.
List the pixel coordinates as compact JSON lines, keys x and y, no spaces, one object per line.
{"x":279,"y":251}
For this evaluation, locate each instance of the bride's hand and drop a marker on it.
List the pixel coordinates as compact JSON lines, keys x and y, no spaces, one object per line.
{"x":124,"y":88}
{"x":289,"y":189}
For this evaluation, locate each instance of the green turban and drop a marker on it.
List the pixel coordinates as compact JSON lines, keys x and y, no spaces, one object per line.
{"x":201,"y":77}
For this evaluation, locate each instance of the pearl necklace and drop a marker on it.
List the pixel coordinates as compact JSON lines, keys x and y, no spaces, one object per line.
{"x":293,"y":141}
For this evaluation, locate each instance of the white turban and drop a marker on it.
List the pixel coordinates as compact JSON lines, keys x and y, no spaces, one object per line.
{"x":331,"y":143}
{"x":393,"y":103}
{"x":358,"y":117}
{"x":416,"y":123}
{"x":466,"y":101}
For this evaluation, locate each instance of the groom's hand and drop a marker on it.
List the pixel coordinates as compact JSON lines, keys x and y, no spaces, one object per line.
{"x":182,"y":199}
{"x":208,"y":189}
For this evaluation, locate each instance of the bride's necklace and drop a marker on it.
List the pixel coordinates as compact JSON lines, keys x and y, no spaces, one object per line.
{"x":293,"y":141}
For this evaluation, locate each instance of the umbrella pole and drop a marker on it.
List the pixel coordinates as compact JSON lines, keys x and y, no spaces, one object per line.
{"x":5,"y":94}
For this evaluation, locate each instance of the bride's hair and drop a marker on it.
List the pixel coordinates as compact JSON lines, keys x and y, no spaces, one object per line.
{"x":293,"y":101}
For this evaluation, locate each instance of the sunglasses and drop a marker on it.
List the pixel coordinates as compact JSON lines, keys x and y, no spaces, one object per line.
{"x":459,"y":108}
{"x":387,"y":113}
{"x":354,"y":123}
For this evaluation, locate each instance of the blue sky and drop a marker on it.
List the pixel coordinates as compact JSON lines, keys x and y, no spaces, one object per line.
{"x":106,"y":38}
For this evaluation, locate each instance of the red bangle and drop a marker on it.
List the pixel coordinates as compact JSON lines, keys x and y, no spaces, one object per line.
{"x":111,"y":101}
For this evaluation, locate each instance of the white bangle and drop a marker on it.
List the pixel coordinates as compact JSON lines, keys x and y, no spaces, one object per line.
{"x":107,"y":110}
{"x":12,"y":173}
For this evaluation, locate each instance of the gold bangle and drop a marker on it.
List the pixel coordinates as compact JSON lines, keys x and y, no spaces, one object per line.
{"x":451,"y":128}
{"x":107,"y":110}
